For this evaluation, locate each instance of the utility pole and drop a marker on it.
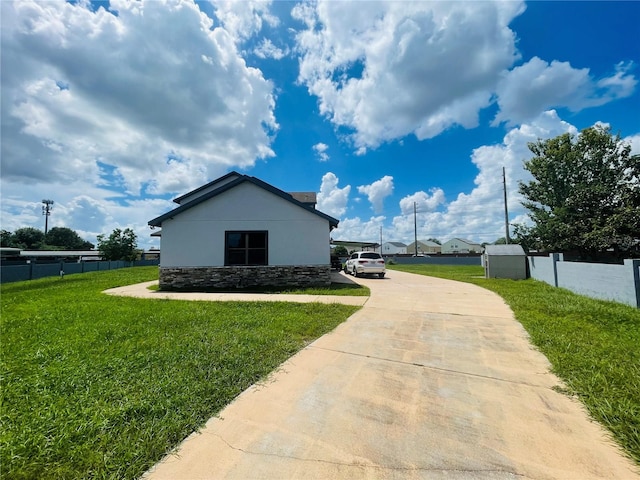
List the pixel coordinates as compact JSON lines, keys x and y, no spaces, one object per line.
{"x":380,"y":240}
{"x":46,"y":211}
{"x":415,"y":227}
{"x":506,"y":211}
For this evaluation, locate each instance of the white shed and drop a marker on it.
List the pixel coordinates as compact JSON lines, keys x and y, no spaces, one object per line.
{"x":505,"y":261}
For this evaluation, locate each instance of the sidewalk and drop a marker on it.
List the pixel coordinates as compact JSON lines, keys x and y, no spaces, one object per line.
{"x":431,"y":379}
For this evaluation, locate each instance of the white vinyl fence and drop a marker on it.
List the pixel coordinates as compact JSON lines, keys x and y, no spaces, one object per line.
{"x":620,"y":283}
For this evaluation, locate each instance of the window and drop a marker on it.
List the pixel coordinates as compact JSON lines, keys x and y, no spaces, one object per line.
{"x":245,"y":248}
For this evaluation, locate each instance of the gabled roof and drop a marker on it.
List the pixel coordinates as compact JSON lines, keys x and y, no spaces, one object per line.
{"x":469,"y":242}
{"x":234,"y":179}
{"x":229,"y":176}
{"x":397,"y":244}
{"x":308,"y":198}
{"x":429,"y":243}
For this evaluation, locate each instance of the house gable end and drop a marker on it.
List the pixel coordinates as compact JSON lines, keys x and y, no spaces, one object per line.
{"x":232,"y":183}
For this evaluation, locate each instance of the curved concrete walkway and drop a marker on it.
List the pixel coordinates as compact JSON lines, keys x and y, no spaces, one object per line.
{"x":431,"y":379}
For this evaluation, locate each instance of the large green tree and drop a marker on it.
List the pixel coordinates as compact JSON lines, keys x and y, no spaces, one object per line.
{"x":585,"y":194}
{"x":120,"y":245}
{"x":340,"y":250}
{"x":6,"y":238}
{"x":66,"y":239}
{"x":28,"y":238}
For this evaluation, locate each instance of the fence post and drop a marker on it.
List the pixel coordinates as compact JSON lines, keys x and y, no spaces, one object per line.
{"x":634,"y":266}
{"x":555,"y":258}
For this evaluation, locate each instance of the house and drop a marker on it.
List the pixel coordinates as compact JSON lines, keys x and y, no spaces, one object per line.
{"x":393,"y":248}
{"x":240,"y":232}
{"x":425,"y":247}
{"x":460,"y":245}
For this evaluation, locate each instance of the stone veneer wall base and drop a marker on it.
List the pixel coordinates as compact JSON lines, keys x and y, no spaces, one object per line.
{"x":244,"y":277}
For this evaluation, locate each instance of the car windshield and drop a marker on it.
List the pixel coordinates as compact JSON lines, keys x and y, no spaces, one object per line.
{"x":370,"y":255}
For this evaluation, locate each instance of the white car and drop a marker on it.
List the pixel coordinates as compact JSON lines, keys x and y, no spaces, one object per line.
{"x":360,"y":263}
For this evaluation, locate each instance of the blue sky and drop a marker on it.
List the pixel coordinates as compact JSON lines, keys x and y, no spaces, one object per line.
{"x":112,"y":109}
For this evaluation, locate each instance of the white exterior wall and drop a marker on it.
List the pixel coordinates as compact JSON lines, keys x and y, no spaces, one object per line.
{"x":196,"y":237}
{"x":455,"y":245}
{"x":390,"y":249}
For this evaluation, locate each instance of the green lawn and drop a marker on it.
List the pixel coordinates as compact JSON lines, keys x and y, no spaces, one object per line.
{"x":593,"y":345}
{"x":96,"y":386}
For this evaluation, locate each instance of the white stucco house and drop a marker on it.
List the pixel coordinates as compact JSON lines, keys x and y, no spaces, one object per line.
{"x":425,"y":247}
{"x":460,"y":245}
{"x":240,"y":232}
{"x":393,"y":248}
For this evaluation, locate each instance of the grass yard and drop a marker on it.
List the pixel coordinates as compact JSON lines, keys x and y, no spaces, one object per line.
{"x":593,"y":345}
{"x":95,"y":386}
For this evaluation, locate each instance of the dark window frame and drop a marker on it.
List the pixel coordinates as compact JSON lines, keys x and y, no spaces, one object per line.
{"x":246,"y":251}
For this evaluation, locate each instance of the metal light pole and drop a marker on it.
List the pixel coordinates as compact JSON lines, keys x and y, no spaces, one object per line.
{"x":506,"y":210}
{"x":46,"y":211}
{"x":415,"y":227}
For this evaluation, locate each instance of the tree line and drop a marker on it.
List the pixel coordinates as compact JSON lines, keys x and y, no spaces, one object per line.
{"x":57,"y":238}
{"x":119,"y":245}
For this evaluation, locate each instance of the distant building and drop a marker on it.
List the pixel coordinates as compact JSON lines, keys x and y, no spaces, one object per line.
{"x":425,"y":247}
{"x":460,"y":245}
{"x":353,"y":246}
{"x":393,"y":248}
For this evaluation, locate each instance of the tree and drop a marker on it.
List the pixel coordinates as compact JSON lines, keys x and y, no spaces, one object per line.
{"x":585,"y":194}
{"x":121,"y":245}
{"x":500,"y":241}
{"x":434,"y":240}
{"x":6,"y":238}
{"x":341,"y":251}
{"x":66,"y":239}
{"x":28,"y":238}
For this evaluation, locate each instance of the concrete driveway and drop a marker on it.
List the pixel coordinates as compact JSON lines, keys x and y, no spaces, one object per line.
{"x":431,"y":379}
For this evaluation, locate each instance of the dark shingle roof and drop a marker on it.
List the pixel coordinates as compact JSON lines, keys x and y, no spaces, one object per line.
{"x":157,"y":222}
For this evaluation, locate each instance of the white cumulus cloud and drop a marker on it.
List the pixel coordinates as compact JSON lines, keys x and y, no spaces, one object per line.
{"x":321,"y":151}
{"x":79,"y":89}
{"x":424,"y":202}
{"x":244,"y":19}
{"x":389,"y":69}
{"x":479,"y":214}
{"x":267,"y":49}
{"x":377,"y":192}
{"x":537,"y":85}
{"x":332,"y":199}
{"x":154,"y":93}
